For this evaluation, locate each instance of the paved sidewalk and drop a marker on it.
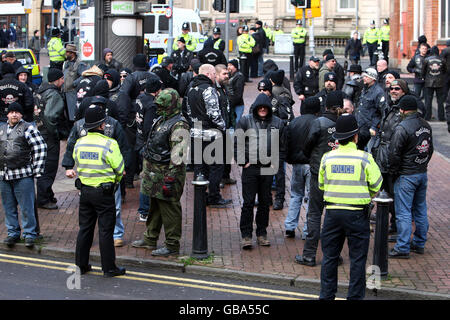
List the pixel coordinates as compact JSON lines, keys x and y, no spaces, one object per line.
{"x":428,"y":273}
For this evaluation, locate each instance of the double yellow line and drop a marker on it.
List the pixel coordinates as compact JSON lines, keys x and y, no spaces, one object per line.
{"x":168,"y":280}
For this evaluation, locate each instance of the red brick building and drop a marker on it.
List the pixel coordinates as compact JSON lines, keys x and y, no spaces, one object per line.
{"x":411,"y":18}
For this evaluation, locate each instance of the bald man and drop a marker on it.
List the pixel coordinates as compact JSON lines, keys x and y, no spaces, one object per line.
{"x":382,"y":69}
{"x":207,"y":125}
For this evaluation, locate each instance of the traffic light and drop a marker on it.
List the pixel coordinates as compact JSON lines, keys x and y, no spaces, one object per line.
{"x":300,"y":3}
{"x":234,"y":6}
{"x":218,"y":5}
{"x":56,"y":4}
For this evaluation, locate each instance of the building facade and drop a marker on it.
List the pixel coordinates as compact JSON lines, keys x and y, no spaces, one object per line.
{"x":413,"y":18}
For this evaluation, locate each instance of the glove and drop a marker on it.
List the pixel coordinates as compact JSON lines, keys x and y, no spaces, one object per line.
{"x":168,"y":186}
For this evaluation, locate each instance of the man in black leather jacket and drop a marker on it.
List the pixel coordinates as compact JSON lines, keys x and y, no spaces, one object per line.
{"x":415,"y":66}
{"x":319,"y":142}
{"x":410,"y":152}
{"x":256,"y":173}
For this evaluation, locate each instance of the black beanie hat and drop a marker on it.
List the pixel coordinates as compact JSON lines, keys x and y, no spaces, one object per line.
{"x":394,"y":73}
{"x":153,"y":85}
{"x":327,"y":52}
{"x":265,"y":84}
{"x":101,"y":88}
{"x":329,"y":57}
{"x":54,"y":74}
{"x":335,"y":99}
{"x":112,"y":75}
{"x":408,"y":103}
{"x":14,"y":107}
{"x":235,"y":63}
{"x":140,"y":61}
{"x":330,"y":76}
{"x":310,"y":106}
{"x":277,"y":77}
{"x":7,"y":68}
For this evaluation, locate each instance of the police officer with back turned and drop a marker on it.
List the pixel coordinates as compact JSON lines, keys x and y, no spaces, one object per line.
{"x":349,"y":179}
{"x":100,"y":168}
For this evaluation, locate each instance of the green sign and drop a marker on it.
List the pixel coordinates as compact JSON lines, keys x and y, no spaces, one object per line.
{"x":122,"y":7}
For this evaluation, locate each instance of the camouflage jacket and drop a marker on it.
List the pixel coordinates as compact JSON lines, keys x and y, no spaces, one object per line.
{"x":160,"y":180}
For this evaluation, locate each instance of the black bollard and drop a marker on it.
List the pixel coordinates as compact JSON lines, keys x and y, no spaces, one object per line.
{"x":243,"y":67}
{"x":380,"y":250}
{"x":291,"y":67}
{"x":199,"y":238}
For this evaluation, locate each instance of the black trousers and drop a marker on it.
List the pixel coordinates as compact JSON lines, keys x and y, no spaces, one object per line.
{"x":388,"y":186}
{"x":45,"y":182}
{"x":245,"y":61}
{"x":134,"y":164}
{"x":385,"y":49}
{"x":299,"y":53}
{"x":337,"y":226}
{"x":280,"y":182}
{"x":372,"y":47}
{"x":95,"y":205}
{"x":428,"y":94}
{"x":212,"y":172}
{"x":313,"y":217}
{"x":57,"y":64}
{"x":254,"y":183}
{"x":254,"y":66}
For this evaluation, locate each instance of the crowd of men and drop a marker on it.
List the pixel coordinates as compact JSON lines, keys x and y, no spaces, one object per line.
{"x":354,"y":137}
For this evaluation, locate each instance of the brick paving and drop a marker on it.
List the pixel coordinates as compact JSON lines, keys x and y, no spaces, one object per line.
{"x":427,"y":273}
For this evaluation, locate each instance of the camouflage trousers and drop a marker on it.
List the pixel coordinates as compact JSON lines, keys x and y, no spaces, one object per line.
{"x":167,"y":213}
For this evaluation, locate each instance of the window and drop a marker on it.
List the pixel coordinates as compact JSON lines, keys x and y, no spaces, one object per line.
{"x":24,"y":57}
{"x":205,"y":5}
{"x":149,"y":24}
{"x":247,"y":6}
{"x":445,"y":19}
{"x":289,"y":7}
{"x":193,"y":27}
{"x":163,"y":24}
{"x":346,"y":4}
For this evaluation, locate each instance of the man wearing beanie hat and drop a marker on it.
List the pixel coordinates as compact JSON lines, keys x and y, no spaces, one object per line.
{"x":131,"y":88}
{"x":330,"y":81}
{"x":390,"y":76}
{"x":328,"y":66}
{"x":51,"y":121}
{"x":318,"y":142}
{"x":349,"y":179}
{"x":22,"y":158}
{"x":410,"y":152}
{"x":296,"y":135}
{"x":370,"y":108}
{"x":256,"y":175}
{"x":236,"y":87}
{"x":109,"y":61}
{"x":306,"y":83}
{"x":99,"y":173}
{"x":12,"y":90}
{"x":113,"y":78}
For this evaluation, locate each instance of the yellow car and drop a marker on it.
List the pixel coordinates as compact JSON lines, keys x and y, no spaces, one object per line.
{"x":28,"y":60}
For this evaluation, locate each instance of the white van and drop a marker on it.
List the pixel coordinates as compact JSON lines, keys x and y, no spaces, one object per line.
{"x":156,"y":27}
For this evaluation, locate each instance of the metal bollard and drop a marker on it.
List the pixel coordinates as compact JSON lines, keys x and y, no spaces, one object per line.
{"x":291,"y":68}
{"x":199,"y":238}
{"x":380,"y":250}
{"x":243,"y":67}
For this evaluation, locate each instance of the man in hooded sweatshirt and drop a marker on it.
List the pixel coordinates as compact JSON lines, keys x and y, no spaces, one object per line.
{"x":257,"y":173}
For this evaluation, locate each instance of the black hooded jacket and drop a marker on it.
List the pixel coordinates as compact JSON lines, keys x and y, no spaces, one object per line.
{"x":33,"y":87}
{"x":434,"y":70}
{"x":252,"y":145}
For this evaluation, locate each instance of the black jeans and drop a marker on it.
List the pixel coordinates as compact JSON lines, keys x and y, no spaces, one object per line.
{"x":337,"y":226}
{"x":254,"y":66}
{"x":95,"y":205}
{"x":440,"y":97}
{"x":134,"y":165}
{"x":212,"y":172}
{"x":280,"y":182}
{"x":418,"y":89}
{"x":245,"y":61}
{"x":313,"y":217}
{"x":388,"y":186}
{"x":299,"y":53}
{"x":254,"y":183}
{"x":45,"y":182}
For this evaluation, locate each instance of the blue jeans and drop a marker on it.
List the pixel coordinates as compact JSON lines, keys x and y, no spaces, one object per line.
{"x":144,"y":204}
{"x":411,"y":204}
{"x":299,"y":193}
{"x":21,"y":192}
{"x":118,"y":228}
{"x":239,"y":110}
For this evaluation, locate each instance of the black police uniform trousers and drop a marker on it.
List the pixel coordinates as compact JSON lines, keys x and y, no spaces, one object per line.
{"x":372,"y":47}
{"x":337,"y":226}
{"x":313,"y":216}
{"x":57,"y":64}
{"x":245,"y":60}
{"x":254,"y":183}
{"x":299,"y":53}
{"x":385,"y":49}
{"x":96,"y":205}
{"x":212,"y":172}
{"x":45,"y":182}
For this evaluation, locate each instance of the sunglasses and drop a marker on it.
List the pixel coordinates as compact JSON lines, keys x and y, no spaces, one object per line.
{"x":396,"y":88}
{"x":123,"y":77}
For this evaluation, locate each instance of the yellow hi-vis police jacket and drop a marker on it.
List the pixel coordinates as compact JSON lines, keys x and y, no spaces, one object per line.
{"x":371,"y":35}
{"x":191,"y":41}
{"x":348,"y":176}
{"x":384,"y":33}
{"x":245,"y":43}
{"x":298,"y":35}
{"x":98,"y":159}
{"x":56,"y":51}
